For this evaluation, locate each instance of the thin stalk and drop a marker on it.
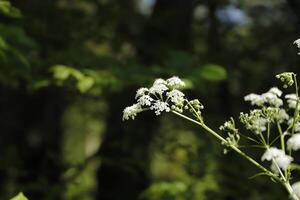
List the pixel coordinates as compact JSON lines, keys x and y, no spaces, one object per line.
{"x":234,"y":148}
{"x":296,"y":112}
{"x":281,"y":135}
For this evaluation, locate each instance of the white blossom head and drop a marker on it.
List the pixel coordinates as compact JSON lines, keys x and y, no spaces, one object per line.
{"x":131,"y":111}
{"x":278,"y":158}
{"x":291,"y":99}
{"x":294,"y":142}
{"x":140,"y":92}
{"x":283,"y":161}
{"x":176,"y":96}
{"x":271,"y":153}
{"x":275,"y":91}
{"x":162,"y":96}
{"x":175,"y":82}
{"x":159,"y":107}
{"x":254,"y":99}
{"x":145,"y":100}
{"x":158,"y":87}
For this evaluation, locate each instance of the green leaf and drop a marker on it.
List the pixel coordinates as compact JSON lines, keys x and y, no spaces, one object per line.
{"x":61,"y":72}
{"x":20,"y":196}
{"x":85,"y":84}
{"x":212,"y":72}
{"x":8,"y":10}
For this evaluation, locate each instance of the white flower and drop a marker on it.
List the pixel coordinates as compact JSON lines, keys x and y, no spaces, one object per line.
{"x":291,"y":100}
{"x":259,"y":125}
{"x":145,"y":100}
{"x":176,"y":96}
{"x":278,"y":157}
{"x":158,"y":89}
{"x":175,"y":82}
{"x":296,"y":188}
{"x":255,"y":99}
{"x":283,"y":161}
{"x":283,"y":115}
{"x":131,"y":111}
{"x":160,"y":106}
{"x":141,"y":92}
{"x":294,"y":142}
{"x":271,"y":153}
{"x":272,"y":99}
{"x":159,"y":81}
{"x":275,"y":91}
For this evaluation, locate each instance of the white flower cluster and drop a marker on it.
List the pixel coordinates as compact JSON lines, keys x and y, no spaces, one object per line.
{"x":291,"y":99}
{"x":278,"y":158}
{"x":271,"y":97}
{"x":163,"y":95}
{"x":255,"y":121}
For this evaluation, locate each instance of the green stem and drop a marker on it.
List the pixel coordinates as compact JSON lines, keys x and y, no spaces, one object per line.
{"x":281,"y":135}
{"x":296,"y":112}
{"x":234,"y":148}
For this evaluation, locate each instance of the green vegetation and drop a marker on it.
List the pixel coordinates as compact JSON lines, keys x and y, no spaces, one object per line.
{"x":69,"y":67}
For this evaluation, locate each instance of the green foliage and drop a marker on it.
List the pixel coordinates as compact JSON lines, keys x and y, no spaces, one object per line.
{"x":212,"y":72}
{"x":166,"y":190}
{"x":61,"y":73}
{"x":20,"y":196}
{"x":8,"y":10}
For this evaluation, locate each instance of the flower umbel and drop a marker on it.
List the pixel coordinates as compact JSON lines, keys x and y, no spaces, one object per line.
{"x":163,"y":96}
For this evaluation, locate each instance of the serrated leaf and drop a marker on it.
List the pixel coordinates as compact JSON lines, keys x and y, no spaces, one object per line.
{"x":213,"y":72}
{"x":20,"y":196}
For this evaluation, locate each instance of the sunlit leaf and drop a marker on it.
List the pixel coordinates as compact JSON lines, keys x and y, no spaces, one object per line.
{"x":212,"y":72}
{"x":85,"y":84}
{"x":8,"y":10}
{"x":20,"y":196}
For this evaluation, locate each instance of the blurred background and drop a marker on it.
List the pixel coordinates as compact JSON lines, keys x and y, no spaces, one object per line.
{"x":69,"y":67}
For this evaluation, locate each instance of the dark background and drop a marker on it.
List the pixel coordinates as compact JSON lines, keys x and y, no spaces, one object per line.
{"x":69,"y":67}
